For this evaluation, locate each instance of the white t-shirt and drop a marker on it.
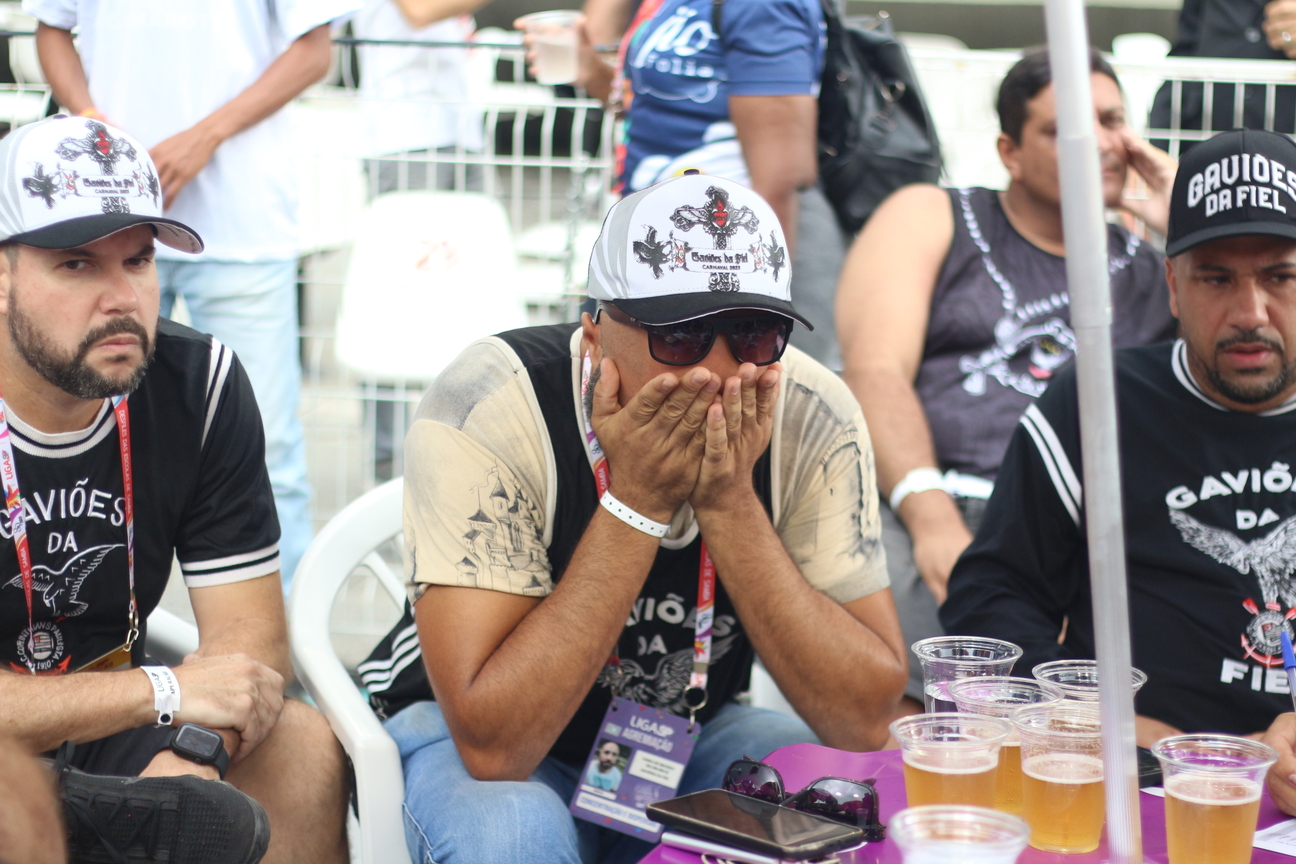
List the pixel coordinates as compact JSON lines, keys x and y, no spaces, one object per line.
{"x":414,"y":97}
{"x":157,"y":67}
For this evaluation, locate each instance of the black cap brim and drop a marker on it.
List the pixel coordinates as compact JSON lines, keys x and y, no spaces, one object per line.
{"x":673,"y":308}
{"x":87,"y":229}
{"x":1234,"y":229}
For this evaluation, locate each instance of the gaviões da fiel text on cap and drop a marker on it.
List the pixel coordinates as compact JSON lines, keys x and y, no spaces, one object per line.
{"x":68,"y":181}
{"x":692,"y":246}
{"x":1236,"y":183}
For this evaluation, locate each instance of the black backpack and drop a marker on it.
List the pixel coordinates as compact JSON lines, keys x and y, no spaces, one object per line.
{"x":875,"y":132}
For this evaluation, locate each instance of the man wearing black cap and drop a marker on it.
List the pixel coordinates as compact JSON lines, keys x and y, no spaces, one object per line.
{"x":1208,"y":446}
{"x":634,"y":506}
{"x":127,"y":442}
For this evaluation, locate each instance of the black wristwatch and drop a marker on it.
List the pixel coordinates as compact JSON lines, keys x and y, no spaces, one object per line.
{"x":199,"y":744}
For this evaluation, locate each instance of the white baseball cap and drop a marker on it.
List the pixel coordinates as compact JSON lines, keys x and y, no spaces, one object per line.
{"x":691,"y":246}
{"x":68,"y":181}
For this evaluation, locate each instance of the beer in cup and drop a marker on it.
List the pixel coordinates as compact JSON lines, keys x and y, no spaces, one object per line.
{"x":957,"y":834}
{"x":1062,"y":774}
{"x":1212,"y":796}
{"x":950,"y":758}
{"x":1079,"y":678}
{"x":999,"y":696}
{"x":949,"y":658}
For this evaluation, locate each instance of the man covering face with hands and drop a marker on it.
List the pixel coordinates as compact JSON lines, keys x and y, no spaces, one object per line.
{"x":605,"y":523}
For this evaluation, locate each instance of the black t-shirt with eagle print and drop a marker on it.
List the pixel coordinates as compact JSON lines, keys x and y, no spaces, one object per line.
{"x":202,"y":495}
{"x":1210,"y":534}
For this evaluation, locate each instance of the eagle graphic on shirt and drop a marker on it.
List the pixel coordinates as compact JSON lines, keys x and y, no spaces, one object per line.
{"x":59,"y":588}
{"x":1272,"y":557}
{"x":666,"y":686}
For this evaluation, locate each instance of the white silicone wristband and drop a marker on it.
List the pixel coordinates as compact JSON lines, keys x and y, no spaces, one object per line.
{"x":632,"y":518}
{"x":917,"y":480}
{"x":166,"y":692}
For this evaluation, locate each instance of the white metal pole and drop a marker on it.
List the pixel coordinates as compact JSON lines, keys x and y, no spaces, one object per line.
{"x":1085,"y":231}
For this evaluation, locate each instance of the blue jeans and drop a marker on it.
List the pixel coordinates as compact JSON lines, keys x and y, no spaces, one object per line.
{"x":450,"y":818}
{"x":252,"y":308}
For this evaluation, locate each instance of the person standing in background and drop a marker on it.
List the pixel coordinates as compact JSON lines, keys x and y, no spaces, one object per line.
{"x":414,"y":99}
{"x":201,"y":85}
{"x":1241,"y":30}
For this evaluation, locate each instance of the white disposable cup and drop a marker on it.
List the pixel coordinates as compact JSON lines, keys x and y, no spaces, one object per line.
{"x":553,"y":36}
{"x":950,"y":658}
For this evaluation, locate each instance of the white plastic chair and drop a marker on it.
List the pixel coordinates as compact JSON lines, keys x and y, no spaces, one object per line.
{"x":430,"y":273}
{"x":169,"y":637}
{"x":348,"y":541}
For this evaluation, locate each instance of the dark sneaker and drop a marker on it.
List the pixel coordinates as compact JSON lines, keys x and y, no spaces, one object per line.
{"x":160,"y":820}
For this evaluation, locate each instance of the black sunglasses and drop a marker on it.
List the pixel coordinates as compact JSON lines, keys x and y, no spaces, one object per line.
{"x":758,"y":339}
{"x":851,"y":802}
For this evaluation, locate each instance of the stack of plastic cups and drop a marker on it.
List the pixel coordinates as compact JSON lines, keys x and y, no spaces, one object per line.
{"x":1212,"y":801}
{"x":999,"y":696}
{"x":951,"y":658}
{"x":950,"y":834}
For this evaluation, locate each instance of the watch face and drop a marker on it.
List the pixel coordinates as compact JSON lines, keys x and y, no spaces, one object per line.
{"x":202,"y":743}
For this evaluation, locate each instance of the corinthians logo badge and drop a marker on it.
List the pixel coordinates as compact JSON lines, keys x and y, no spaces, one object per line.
{"x":1262,"y":639}
{"x":721,"y":222}
{"x":40,"y":648}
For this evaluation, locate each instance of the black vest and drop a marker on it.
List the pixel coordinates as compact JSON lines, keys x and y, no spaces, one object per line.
{"x":655,"y":649}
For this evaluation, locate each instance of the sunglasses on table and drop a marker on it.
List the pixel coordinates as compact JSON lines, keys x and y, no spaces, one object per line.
{"x":851,"y":802}
{"x":759,"y":338}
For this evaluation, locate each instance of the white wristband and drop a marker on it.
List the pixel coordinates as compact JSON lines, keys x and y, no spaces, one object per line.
{"x":166,"y":692}
{"x":917,"y":480}
{"x":631,"y":518}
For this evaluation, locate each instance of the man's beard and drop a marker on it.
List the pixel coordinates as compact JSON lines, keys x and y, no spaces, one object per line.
{"x":1262,"y":391}
{"x":72,"y":375}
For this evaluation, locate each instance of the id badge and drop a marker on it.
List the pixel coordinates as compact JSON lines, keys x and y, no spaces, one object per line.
{"x":638,"y":758}
{"x":117,"y":658}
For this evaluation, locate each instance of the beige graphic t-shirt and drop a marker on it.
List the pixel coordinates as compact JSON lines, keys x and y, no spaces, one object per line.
{"x":480,"y":480}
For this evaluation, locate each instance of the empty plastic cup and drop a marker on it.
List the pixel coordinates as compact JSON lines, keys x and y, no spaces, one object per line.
{"x":1079,"y":678}
{"x":949,"y":658}
{"x":951,"y":834}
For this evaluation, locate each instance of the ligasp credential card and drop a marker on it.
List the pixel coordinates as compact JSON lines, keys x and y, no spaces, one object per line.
{"x":638,"y":758}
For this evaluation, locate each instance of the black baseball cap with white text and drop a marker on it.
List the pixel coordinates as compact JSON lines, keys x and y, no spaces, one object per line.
{"x":1234,"y":184}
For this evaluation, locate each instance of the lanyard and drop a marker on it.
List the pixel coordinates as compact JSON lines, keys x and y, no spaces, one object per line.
{"x":18,"y":520}
{"x":705,"y":616}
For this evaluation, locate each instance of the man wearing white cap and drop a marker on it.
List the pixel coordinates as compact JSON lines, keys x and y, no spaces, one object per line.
{"x":572,"y":495}
{"x":127,"y":441}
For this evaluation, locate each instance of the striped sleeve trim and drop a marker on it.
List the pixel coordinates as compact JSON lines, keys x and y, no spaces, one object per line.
{"x":218,"y":370}
{"x":235,"y":568}
{"x":378,"y":675}
{"x":1055,"y":461}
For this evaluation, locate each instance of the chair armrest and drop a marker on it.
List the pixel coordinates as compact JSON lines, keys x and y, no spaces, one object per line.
{"x":169,"y":638}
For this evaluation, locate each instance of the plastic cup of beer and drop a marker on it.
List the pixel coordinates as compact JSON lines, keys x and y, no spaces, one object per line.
{"x":1062,"y":774}
{"x":950,"y":758}
{"x":957,"y":834}
{"x":553,"y":40}
{"x":949,"y":658}
{"x":1079,"y":678}
{"x":1212,"y":796}
{"x":999,"y":696}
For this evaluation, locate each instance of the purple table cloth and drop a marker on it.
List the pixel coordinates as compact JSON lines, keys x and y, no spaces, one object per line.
{"x":802,"y":763}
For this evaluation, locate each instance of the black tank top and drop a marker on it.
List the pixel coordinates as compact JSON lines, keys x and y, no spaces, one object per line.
{"x":656,"y":646}
{"x":1000,"y":327}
